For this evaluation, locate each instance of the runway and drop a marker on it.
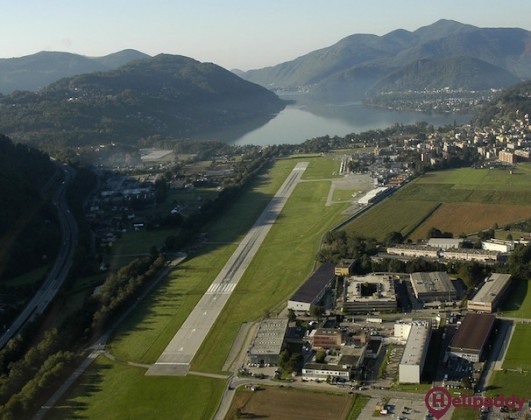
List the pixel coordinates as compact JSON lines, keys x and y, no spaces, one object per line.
{"x":175,"y":360}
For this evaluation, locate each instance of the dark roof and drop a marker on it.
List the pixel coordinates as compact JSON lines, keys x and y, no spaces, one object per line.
{"x":473,"y":332}
{"x":313,"y":286}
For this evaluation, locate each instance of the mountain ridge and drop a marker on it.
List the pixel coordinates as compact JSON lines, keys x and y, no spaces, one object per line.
{"x":503,"y":53}
{"x":36,"y":71}
{"x":167,"y":95}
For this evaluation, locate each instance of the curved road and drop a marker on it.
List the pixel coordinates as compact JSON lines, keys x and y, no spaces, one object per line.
{"x":63,"y":262}
{"x":178,"y":355}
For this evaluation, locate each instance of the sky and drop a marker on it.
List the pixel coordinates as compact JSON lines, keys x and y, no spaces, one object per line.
{"x":243,"y":34}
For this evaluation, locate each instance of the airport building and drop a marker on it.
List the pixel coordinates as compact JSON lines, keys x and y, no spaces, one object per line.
{"x":414,"y":356}
{"x":313,"y":289}
{"x":489,"y":296}
{"x":269,"y":341}
{"x":369,"y":293}
{"x":469,"y":342}
{"x":434,"y":286}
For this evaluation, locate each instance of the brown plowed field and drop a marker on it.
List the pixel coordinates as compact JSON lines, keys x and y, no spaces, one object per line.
{"x":289,"y":404}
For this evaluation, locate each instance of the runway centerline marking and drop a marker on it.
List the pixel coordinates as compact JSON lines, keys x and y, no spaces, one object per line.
{"x":196,"y":327}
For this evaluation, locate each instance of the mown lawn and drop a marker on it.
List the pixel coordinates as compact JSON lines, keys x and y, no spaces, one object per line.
{"x":518,"y":302}
{"x":110,"y":390}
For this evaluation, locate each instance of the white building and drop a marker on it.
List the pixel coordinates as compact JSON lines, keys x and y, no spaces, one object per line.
{"x":412,"y":362}
{"x":498,"y":245}
{"x":445,"y":243}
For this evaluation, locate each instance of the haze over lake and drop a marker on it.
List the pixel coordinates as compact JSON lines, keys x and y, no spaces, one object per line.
{"x":308,"y":119}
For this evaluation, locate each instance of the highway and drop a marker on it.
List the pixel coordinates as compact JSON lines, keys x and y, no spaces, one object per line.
{"x":178,"y":355}
{"x":62,"y":264}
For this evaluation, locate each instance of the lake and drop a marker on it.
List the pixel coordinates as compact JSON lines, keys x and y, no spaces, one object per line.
{"x":305,"y":119}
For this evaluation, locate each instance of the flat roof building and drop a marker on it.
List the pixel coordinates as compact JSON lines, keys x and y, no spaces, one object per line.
{"x":471,"y":255}
{"x":313,"y":289}
{"x":269,"y":341}
{"x":414,"y":356}
{"x":326,"y":338}
{"x":369,"y":293}
{"x":434,"y":286}
{"x":489,"y":296}
{"x":470,"y":339}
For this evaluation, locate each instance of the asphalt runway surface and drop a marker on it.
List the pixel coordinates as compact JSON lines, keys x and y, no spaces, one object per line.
{"x":175,"y":360}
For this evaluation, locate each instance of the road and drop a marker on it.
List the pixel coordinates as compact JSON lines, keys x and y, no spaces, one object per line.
{"x":178,"y":355}
{"x":63,"y":262}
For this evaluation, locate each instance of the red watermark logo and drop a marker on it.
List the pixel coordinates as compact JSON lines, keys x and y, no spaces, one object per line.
{"x":438,"y":400}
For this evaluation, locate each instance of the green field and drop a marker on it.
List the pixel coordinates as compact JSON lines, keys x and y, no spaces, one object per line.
{"x":518,"y":355}
{"x":286,"y":257}
{"x":109,"y":390}
{"x":516,"y":374}
{"x":487,"y":192}
{"x":518,"y":303}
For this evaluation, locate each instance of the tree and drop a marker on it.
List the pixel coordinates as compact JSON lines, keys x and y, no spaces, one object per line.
{"x":291,"y":315}
{"x":316,"y":311}
{"x":320,"y":356}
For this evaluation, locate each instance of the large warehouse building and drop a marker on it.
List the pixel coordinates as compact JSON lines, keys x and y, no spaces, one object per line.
{"x":414,"y":356}
{"x":434,"y":286}
{"x":470,"y":340}
{"x":489,"y":296}
{"x":269,"y":341}
{"x":313,"y":289}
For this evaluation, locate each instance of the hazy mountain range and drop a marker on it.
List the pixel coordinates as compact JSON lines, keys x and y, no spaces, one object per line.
{"x":58,"y":99}
{"x":444,"y":54}
{"x":33,"y":72}
{"x":166,"y":96}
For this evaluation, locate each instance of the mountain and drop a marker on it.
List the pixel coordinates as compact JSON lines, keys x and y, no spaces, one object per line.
{"x":433,"y":57}
{"x":169,"y":96}
{"x":33,"y":72}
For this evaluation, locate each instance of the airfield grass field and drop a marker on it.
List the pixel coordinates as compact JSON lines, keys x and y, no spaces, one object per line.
{"x":518,"y":302}
{"x":286,"y":257}
{"x":110,"y":390}
{"x":459,"y":201}
{"x":516,"y":374}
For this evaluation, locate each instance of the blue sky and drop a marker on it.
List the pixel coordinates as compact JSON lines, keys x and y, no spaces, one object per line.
{"x":241,"y":34}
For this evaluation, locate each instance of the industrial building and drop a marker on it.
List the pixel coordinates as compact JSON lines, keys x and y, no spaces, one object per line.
{"x":414,"y":251}
{"x":434,"y":286}
{"x":269,"y":341}
{"x":489,"y":296}
{"x":369,"y":293}
{"x":414,"y":356}
{"x":470,"y":340}
{"x":468,"y":254}
{"x":313,"y":289}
